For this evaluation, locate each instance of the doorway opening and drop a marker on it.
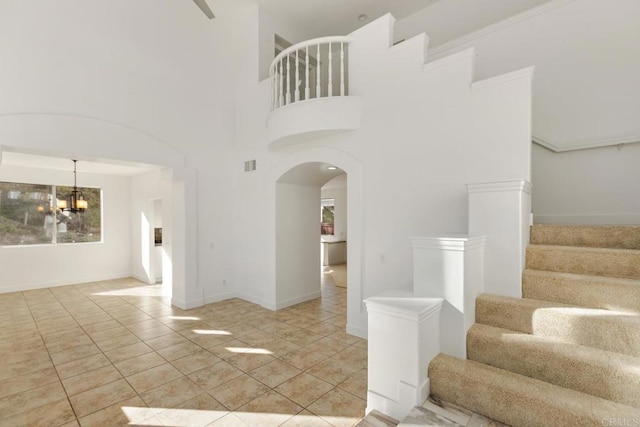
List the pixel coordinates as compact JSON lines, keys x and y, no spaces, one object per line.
{"x":304,"y":245}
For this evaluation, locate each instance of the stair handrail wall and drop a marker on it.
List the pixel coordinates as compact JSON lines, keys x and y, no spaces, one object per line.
{"x":315,"y":62}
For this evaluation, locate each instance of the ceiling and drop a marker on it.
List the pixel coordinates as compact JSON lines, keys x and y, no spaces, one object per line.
{"x":338,"y":17}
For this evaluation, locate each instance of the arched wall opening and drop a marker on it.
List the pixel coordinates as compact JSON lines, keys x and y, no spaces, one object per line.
{"x":294,"y":171}
{"x":95,"y":140}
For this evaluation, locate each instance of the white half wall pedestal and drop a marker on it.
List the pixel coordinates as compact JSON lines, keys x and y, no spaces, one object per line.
{"x":502,"y":211}
{"x":404,"y":335}
{"x":452,"y":268}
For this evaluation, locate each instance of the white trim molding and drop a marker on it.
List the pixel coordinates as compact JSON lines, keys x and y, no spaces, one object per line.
{"x":458,"y":56}
{"x":560,"y":147}
{"x":524,"y":73}
{"x":460,"y":242}
{"x":587,"y":219}
{"x":518,"y":185}
{"x":505,"y":23}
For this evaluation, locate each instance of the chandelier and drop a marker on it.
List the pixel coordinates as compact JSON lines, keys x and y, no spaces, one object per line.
{"x":76,"y":202}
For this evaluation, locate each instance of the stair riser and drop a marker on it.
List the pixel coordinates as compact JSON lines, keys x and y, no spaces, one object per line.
{"x":517,"y":400}
{"x":583,"y":369}
{"x":620,"y":237}
{"x":585,"y":292}
{"x":608,"y":332}
{"x":611,"y":263}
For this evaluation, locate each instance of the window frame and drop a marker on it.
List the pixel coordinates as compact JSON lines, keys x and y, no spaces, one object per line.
{"x":53,"y":195}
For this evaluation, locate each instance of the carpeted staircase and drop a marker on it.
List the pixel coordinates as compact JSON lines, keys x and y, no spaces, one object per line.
{"x":568,"y":352}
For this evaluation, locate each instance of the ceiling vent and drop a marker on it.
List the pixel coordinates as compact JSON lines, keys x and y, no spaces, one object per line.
{"x":249,"y":165}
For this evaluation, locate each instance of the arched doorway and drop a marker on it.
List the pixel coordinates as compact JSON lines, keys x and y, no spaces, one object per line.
{"x":296,"y":184}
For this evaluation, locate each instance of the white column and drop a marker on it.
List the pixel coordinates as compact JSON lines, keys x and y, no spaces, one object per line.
{"x":297,"y":82}
{"x":403,"y":338}
{"x":179,"y":239}
{"x":502,"y":211}
{"x":450,"y":267}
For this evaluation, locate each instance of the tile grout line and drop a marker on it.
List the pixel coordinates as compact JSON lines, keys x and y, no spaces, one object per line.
{"x":73,"y":410}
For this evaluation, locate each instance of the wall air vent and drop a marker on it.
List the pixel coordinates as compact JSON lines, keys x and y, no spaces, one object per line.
{"x":249,"y":165}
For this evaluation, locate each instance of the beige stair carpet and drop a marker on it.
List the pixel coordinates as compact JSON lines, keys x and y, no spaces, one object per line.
{"x":607,"y":293}
{"x":518,"y":400}
{"x":568,"y":352}
{"x":624,"y":263}
{"x":602,"y":373}
{"x":613,"y":236}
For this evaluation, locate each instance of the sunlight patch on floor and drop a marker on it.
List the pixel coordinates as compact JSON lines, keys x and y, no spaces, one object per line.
{"x":248,"y":350}
{"x":139,"y":291}
{"x":210,"y":332}
{"x":183,"y":318}
{"x":199,"y":417}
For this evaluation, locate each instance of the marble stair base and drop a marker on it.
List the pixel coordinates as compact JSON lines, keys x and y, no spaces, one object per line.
{"x":377,"y":419}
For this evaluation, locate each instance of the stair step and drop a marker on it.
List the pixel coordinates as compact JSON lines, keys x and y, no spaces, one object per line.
{"x":601,"y":373}
{"x":516,"y":399}
{"x":594,"y":236}
{"x":609,"y":330}
{"x":623,"y":263}
{"x":588,"y":291}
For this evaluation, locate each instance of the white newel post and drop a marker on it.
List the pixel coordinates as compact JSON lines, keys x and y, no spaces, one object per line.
{"x":451,"y":267}
{"x":502,"y":211}
{"x":404,"y":336}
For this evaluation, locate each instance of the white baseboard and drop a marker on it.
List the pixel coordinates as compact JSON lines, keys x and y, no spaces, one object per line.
{"x":297,"y":300}
{"x":587,"y":219}
{"x":57,"y":283}
{"x":220,"y":297}
{"x":251,"y":299}
{"x":142,"y":278}
{"x":186,"y":305}
{"x":358,"y":331}
{"x":407,"y":397}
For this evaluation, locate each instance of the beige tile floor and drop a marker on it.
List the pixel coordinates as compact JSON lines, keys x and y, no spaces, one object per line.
{"x":116,"y":353}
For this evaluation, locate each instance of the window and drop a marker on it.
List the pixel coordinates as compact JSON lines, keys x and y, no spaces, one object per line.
{"x":157,"y":236}
{"x":29,"y":216}
{"x":327,"y":209}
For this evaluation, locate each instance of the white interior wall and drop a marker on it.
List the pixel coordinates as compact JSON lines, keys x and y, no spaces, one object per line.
{"x":437,"y":18}
{"x":297,"y":244}
{"x":268,"y":26}
{"x":425,"y":134}
{"x":30,"y":267}
{"x":148,"y":81}
{"x":145,"y":189}
{"x":593,"y":186}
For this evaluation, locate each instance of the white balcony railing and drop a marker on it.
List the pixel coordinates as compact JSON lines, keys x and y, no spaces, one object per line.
{"x":319,"y":65}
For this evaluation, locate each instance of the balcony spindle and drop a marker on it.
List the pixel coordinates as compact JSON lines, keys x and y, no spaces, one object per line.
{"x":341,"y":68}
{"x":274,"y":93}
{"x":297,"y":82}
{"x":318,"y":87}
{"x":307,"y":90}
{"x":330,"y":83}
{"x":281,"y":98}
{"x":288,"y":80}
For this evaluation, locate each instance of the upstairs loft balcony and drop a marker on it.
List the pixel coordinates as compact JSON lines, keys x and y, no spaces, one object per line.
{"x":310,"y":90}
